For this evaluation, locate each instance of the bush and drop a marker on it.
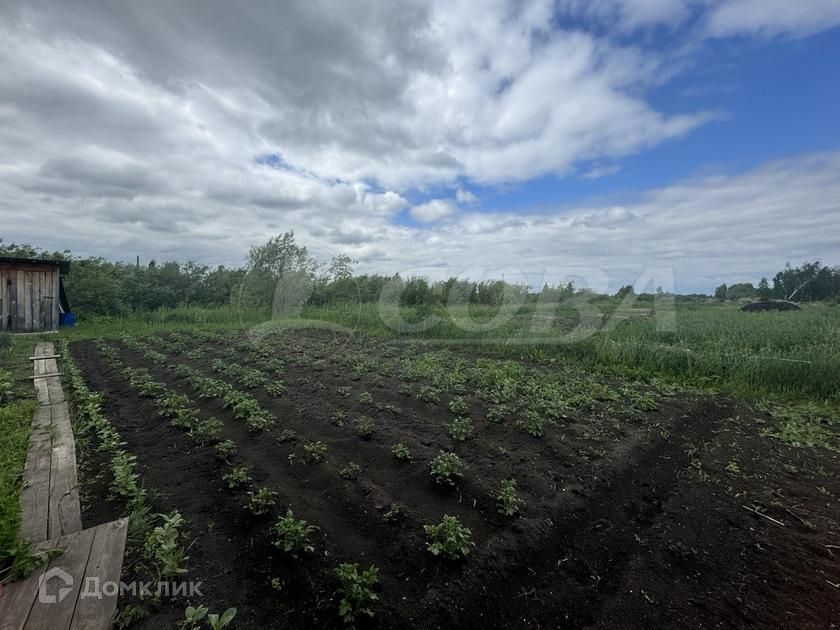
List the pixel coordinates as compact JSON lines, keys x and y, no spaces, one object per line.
{"x":355,"y":591}
{"x":449,"y":538}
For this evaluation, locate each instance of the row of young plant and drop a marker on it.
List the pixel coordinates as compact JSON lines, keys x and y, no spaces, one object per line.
{"x":534,"y":398}
{"x":269,"y":377}
{"x":290,"y":534}
{"x":154,"y":541}
{"x":449,"y":538}
{"x":444,"y":468}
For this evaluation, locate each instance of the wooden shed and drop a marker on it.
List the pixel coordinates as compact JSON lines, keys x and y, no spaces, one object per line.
{"x":31,"y":294}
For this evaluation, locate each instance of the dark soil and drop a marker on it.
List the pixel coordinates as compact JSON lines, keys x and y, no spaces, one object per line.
{"x":770,"y":305}
{"x":638,"y":520}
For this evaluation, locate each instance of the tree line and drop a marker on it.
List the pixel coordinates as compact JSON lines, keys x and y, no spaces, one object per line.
{"x":102,"y":287}
{"x":809,"y":282}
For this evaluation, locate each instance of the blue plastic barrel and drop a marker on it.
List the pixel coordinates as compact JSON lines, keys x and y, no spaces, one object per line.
{"x":66,"y":319}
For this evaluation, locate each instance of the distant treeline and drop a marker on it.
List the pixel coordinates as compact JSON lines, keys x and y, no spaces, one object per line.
{"x":809,"y":282}
{"x":101,"y":287}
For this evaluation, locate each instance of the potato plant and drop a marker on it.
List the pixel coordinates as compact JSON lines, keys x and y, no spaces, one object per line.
{"x":449,"y":538}
{"x":350,"y":472}
{"x":445,"y":467}
{"x":238,"y":477}
{"x":460,"y":429}
{"x":314,"y":452}
{"x":401,"y":452}
{"x":261,"y":501}
{"x":355,"y":591}
{"x":365,"y":427}
{"x":292,"y":535}
{"x":459,"y":406}
{"x":509,"y":502}
{"x":163,"y":547}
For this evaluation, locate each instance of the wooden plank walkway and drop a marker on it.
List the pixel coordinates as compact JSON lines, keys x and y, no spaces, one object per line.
{"x":60,"y":595}
{"x":75,"y":590}
{"x":50,"y":496}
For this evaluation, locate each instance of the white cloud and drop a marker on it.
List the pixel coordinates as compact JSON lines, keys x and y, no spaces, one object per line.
{"x":433,"y":210}
{"x":773,"y":17}
{"x":465,"y":197}
{"x":138,"y":130}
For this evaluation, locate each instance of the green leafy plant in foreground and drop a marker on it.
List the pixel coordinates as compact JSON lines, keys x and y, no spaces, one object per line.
{"x":292,"y":535}
{"x":163,"y":546}
{"x":449,"y":538}
{"x":217,"y":622}
{"x":509,"y":502}
{"x":194,"y":615}
{"x":356,"y":591}
{"x":445,"y":467}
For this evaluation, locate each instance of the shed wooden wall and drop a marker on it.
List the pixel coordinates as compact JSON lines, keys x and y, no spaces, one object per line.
{"x":29,"y":298}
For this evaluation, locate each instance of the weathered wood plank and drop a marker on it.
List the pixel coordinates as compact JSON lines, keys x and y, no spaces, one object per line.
{"x":43,"y":348}
{"x":13,"y":302}
{"x":65,"y":507}
{"x":56,"y":279}
{"x":73,"y":562}
{"x":18,"y":598}
{"x":27,"y":301}
{"x":105,"y":563}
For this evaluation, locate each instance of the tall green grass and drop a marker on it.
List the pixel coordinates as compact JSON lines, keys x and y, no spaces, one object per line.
{"x":790,"y":355}
{"x":16,"y":414}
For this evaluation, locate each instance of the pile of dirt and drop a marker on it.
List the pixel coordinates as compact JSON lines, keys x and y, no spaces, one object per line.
{"x":770,"y":305}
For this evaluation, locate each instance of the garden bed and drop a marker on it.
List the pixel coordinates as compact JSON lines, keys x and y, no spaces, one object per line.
{"x":633,"y":494}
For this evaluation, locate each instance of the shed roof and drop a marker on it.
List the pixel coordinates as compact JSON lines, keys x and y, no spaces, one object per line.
{"x":63,"y":265}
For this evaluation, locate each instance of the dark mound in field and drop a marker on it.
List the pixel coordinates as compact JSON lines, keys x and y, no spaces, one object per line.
{"x":770,"y":305}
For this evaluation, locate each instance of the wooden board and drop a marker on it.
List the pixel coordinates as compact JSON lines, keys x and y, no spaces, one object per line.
{"x":65,"y":506}
{"x":50,"y":505}
{"x":106,"y":557}
{"x":95,"y":553}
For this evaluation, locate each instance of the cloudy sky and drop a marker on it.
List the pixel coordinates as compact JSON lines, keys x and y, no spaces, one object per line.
{"x":602,"y":139}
